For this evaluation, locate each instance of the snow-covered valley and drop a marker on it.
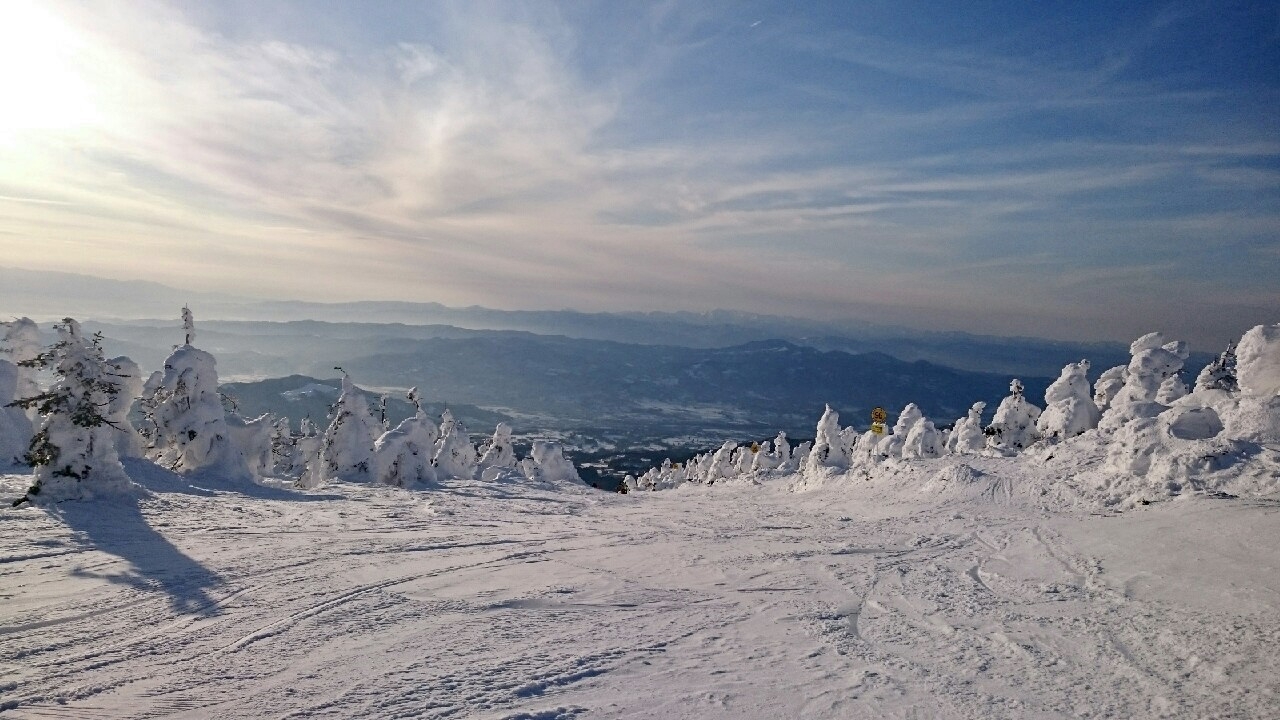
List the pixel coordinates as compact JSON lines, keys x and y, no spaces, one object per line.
{"x":897,"y":598}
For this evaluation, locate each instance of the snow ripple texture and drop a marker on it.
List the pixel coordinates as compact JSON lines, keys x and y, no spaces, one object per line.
{"x":491,"y":600}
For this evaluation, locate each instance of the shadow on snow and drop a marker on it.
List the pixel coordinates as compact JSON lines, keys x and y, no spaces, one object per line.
{"x":117,"y":526}
{"x":159,"y":480}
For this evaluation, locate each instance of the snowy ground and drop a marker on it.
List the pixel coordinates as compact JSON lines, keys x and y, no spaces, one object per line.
{"x":746,"y":601}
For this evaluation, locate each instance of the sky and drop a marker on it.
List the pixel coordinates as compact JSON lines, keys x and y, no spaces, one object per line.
{"x":1073,"y":170}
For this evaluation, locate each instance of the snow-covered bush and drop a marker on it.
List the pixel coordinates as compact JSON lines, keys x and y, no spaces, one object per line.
{"x":184,"y":419}
{"x":455,"y":456}
{"x":404,"y":452}
{"x":1014,"y":426}
{"x":347,"y":452}
{"x":74,"y":449}
{"x":1069,"y":408}
{"x":967,"y":437}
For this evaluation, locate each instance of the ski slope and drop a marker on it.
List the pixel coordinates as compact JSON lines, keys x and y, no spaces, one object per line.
{"x":501,"y":600}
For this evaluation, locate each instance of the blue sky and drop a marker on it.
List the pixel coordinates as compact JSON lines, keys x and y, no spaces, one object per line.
{"x":1075,"y":170}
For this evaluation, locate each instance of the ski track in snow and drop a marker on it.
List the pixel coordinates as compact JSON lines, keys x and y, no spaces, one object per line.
{"x":725,"y":602}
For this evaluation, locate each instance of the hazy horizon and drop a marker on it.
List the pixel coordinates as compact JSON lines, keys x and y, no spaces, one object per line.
{"x":1086,"y":172}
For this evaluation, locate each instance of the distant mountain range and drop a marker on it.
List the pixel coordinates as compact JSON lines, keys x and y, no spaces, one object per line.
{"x":51,"y":295}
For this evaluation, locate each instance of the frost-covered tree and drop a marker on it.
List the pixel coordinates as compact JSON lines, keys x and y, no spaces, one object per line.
{"x":830,"y":447}
{"x":1152,"y":361}
{"x":129,"y":442}
{"x":74,"y":450}
{"x":254,"y":439}
{"x":1258,"y":361}
{"x":800,"y":454}
{"x":1108,"y":386}
{"x":743,"y":458}
{"x":1171,"y":390}
{"x":772,"y":455}
{"x":721,"y":465}
{"x":347,"y":451}
{"x":891,"y":445}
{"x":967,"y":437}
{"x":1069,"y":407}
{"x":455,"y":456}
{"x":306,"y":465}
{"x":923,"y":441}
{"x":547,"y":463}
{"x":283,"y":446}
{"x":184,"y":419}
{"x":1219,"y":374}
{"x":498,"y":452}
{"x":15,"y":425}
{"x":22,"y":344}
{"x":1014,"y":425}
{"x":404,"y":452}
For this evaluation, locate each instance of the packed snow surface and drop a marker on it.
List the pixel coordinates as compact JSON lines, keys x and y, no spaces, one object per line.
{"x":954,"y":587}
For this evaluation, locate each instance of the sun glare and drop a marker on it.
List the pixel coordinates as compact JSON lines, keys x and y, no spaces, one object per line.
{"x":42,"y":87}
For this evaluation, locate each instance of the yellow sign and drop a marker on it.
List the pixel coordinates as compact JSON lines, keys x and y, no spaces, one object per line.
{"x":877,"y":428}
{"x":878,"y":416}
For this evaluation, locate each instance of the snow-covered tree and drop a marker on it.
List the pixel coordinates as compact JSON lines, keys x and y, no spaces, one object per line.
{"x":800,"y":454}
{"x":891,"y":445}
{"x":547,"y":463}
{"x":404,"y":452}
{"x":1069,"y":407}
{"x":22,"y":344}
{"x":347,"y":451}
{"x":185,"y":421}
{"x":129,"y":443}
{"x":283,"y":446}
{"x":923,"y":441}
{"x":967,"y":437}
{"x":721,"y":463}
{"x":1014,"y":425}
{"x":306,"y":464}
{"x":1108,"y":386}
{"x":772,"y":455}
{"x":74,"y":450}
{"x":455,"y":456}
{"x":498,"y":452}
{"x":1152,"y":361}
{"x":1219,"y":374}
{"x":1258,"y":361}
{"x":254,"y":439}
{"x":830,"y":447}
{"x":1171,"y":390}
{"x":15,"y":425}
